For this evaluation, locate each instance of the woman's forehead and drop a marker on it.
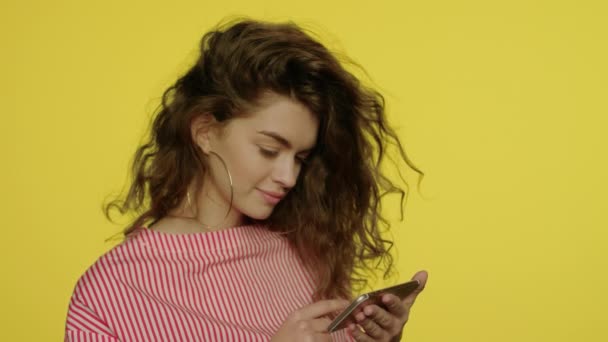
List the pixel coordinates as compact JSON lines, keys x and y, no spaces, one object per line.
{"x":284,"y":119}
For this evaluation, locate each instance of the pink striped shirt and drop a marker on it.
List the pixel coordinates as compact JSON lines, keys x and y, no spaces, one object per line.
{"x":238,"y":284}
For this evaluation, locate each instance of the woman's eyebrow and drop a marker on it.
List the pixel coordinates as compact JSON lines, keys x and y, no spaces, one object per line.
{"x":280,"y":139}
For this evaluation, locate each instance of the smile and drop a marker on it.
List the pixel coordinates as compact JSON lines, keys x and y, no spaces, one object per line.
{"x":271,"y":197}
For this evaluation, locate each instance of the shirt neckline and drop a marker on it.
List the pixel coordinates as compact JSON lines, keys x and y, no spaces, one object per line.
{"x":194,"y":234}
{"x":229,"y":240}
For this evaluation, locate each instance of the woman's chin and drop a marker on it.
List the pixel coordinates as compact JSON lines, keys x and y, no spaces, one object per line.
{"x":258,"y":215}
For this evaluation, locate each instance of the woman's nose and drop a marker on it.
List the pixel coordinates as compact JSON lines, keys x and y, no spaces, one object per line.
{"x":286,"y":172}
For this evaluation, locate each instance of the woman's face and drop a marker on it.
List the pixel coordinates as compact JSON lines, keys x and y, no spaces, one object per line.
{"x":264,"y":151}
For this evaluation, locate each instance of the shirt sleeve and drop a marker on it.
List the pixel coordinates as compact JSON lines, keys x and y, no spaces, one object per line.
{"x":342,"y":335}
{"x":84,"y":325}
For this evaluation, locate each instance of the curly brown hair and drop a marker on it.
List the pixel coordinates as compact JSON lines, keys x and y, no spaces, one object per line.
{"x":332,"y":216}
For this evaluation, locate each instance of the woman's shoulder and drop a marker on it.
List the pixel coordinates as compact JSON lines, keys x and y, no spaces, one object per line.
{"x":145,"y":248}
{"x":111,"y":263}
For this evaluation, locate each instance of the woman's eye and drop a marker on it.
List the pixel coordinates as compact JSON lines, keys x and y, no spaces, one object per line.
{"x":268,"y":153}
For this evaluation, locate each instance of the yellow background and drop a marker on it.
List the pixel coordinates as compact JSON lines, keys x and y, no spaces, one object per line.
{"x":502,"y":103}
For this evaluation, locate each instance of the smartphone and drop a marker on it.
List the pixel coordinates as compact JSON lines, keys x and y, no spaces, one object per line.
{"x":375,"y":297}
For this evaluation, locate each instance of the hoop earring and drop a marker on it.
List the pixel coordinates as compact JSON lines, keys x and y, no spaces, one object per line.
{"x":189,"y":201}
{"x":229,"y":179}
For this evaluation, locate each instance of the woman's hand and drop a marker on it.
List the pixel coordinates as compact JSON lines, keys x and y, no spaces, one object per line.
{"x":386,"y":324}
{"x":309,"y":323}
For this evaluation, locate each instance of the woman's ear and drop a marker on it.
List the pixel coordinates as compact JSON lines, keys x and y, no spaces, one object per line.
{"x":201,"y":129}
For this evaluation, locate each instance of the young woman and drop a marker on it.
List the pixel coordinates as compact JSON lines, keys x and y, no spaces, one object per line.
{"x":257,"y":201}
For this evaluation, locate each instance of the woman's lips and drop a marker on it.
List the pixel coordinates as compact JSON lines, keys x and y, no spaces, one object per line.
{"x":271,"y":197}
